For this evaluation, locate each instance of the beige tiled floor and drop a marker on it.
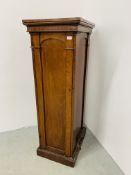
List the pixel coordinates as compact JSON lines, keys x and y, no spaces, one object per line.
{"x":18,"y":157}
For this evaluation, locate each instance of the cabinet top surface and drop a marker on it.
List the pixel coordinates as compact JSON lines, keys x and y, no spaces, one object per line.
{"x":58,"y":21}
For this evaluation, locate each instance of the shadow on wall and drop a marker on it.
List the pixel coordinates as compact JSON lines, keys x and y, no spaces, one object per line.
{"x":101,"y":70}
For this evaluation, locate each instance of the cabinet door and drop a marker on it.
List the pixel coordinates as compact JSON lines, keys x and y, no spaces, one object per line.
{"x":56,"y":64}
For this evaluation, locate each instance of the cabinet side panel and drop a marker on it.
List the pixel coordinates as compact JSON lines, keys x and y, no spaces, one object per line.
{"x":54,"y":80}
{"x":79,"y":69}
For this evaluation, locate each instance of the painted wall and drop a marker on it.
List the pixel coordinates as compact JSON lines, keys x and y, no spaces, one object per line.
{"x":108,"y":95}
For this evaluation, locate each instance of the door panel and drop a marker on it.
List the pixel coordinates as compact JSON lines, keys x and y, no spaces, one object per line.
{"x":53,"y":57}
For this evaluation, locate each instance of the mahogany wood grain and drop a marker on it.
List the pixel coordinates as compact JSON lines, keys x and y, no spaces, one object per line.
{"x":54,"y":82}
{"x":69,"y":75}
{"x":59,"y":50}
{"x":58,"y":21}
{"x":38,"y":87}
{"x":78,"y":83}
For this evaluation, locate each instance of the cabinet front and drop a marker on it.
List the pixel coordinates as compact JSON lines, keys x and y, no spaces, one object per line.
{"x":56,"y":74}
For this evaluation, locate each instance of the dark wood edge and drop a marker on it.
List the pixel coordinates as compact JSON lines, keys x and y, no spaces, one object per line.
{"x":57,"y":21}
{"x":87,"y":39}
{"x":69,"y":161}
{"x":56,"y":157}
{"x":59,"y":28}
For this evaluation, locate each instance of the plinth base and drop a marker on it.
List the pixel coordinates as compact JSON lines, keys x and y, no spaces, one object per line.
{"x":69,"y":161}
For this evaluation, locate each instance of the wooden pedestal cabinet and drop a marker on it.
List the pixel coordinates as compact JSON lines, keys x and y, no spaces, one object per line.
{"x":59,"y":49}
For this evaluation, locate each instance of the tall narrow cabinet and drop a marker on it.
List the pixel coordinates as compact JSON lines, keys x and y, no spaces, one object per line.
{"x":60,"y":57}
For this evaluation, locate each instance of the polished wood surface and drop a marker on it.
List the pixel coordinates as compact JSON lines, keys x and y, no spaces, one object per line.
{"x":38,"y":88}
{"x":58,"y":25}
{"x":60,"y":21}
{"x":59,"y":50}
{"x":54,"y":83}
{"x":79,"y":82}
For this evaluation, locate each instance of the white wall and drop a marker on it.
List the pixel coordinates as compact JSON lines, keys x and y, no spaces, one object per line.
{"x":108,"y":97}
{"x":109,"y":77}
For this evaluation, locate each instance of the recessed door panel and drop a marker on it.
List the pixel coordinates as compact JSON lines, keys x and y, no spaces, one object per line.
{"x":53,"y":57}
